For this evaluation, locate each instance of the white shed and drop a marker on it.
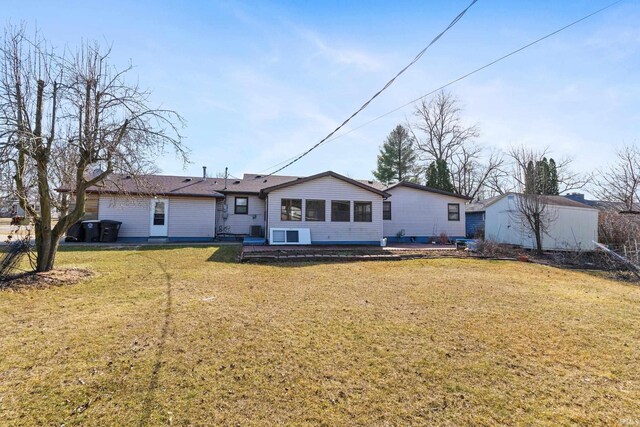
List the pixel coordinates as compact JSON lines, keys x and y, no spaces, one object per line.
{"x":572,"y":225}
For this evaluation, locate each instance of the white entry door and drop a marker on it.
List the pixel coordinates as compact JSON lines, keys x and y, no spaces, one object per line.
{"x":159,"y":218}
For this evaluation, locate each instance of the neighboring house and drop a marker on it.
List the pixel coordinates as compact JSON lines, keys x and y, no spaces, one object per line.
{"x":415,"y":213}
{"x":327,"y":208}
{"x":598,"y":204}
{"x":572,"y":225}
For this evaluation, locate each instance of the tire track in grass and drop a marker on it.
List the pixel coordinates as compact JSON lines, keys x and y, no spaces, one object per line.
{"x":150,"y":396}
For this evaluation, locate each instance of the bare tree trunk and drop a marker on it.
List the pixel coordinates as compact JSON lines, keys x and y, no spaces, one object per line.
{"x":538,"y":234}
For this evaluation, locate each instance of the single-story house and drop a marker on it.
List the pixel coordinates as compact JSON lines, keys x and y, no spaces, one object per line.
{"x":326,"y":208}
{"x":571,"y":225}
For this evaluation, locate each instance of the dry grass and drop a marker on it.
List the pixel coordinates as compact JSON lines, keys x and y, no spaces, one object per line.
{"x":181,"y":337}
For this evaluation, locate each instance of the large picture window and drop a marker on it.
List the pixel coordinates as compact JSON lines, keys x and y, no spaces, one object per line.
{"x":241,"y":205}
{"x":362,"y":211}
{"x":315,"y":210}
{"x":340,"y":211}
{"x":454,"y":211}
{"x":291,"y":210}
{"x":386,"y":210}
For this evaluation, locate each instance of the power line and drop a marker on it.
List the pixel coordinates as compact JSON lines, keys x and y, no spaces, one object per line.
{"x":329,"y":139}
{"x":389,"y":83}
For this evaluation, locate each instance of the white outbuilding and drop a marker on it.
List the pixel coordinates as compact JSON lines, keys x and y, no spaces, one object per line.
{"x":570,"y":225}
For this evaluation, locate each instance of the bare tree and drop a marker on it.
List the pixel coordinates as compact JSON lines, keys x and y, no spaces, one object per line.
{"x":441,"y":135}
{"x":439,"y":122}
{"x":472,"y":172}
{"x":620,"y":182}
{"x":531,"y":208}
{"x":61,"y":119}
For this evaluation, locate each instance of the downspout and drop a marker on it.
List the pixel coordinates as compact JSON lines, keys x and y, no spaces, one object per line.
{"x":266,"y":219}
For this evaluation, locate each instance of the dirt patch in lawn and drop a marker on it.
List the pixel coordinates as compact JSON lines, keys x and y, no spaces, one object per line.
{"x":61,"y":277}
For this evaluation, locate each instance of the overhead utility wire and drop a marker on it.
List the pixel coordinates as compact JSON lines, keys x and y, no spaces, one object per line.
{"x":326,"y":140}
{"x":389,"y":83}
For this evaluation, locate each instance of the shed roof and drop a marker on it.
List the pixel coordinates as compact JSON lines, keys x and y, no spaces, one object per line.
{"x":482,"y":205}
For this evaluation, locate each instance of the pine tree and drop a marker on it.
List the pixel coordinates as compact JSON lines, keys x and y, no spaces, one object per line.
{"x":542,"y":169}
{"x":541,"y":177}
{"x":553,"y":187}
{"x":439,"y":177}
{"x":530,"y":179}
{"x":397,"y":158}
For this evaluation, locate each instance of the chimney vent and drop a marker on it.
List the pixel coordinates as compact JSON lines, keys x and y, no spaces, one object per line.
{"x":204,"y":172}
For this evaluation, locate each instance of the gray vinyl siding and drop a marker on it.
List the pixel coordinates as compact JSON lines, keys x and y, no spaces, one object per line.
{"x":192,"y":217}
{"x":239,"y":223}
{"x":188,"y":216}
{"x":421,"y":213}
{"x":133,"y":212}
{"x":328,"y":188}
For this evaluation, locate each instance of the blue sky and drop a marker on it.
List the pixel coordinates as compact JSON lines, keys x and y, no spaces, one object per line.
{"x":259,"y":82}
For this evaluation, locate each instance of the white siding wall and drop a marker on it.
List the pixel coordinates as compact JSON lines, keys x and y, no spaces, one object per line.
{"x":133,"y":212}
{"x":240,"y":223}
{"x":188,"y":216}
{"x":421,"y":213}
{"x":329,"y":188}
{"x":572,"y":228}
{"x":192,"y":217}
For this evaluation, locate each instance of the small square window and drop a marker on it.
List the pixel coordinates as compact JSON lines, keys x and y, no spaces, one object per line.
{"x":362,"y":211}
{"x":291,"y":210}
{"x":454,"y":211}
{"x":241,"y":205}
{"x":315,"y":210}
{"x":340,"y":211}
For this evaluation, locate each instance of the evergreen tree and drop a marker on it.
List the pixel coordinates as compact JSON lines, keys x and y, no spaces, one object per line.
{"x":397,"y":158}
{"x":541,"y":177}
{"x":530,"y":181}
{"x":542,"y":169}
{"x":439,"y":177}
{"x":553,"y":187}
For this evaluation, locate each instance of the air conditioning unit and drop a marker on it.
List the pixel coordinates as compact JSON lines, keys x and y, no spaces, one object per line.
{"x":289,"y":236}
{"x":256,"y":231}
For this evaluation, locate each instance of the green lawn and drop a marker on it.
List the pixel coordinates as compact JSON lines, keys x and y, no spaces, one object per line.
{"x":183,"y":336}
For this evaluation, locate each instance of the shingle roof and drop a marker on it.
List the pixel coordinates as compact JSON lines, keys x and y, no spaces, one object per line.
{"x":482,"y":205}
{"x":161,"y":185}
{"x":171,"y":185}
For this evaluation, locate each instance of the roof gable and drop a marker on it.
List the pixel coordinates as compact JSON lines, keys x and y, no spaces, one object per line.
{"x":267,"y":190}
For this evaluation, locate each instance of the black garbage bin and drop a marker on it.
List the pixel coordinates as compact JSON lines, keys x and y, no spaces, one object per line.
{"x":75,"y":233}
{"x":109,"y":230}
{"x":91,"y":230}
